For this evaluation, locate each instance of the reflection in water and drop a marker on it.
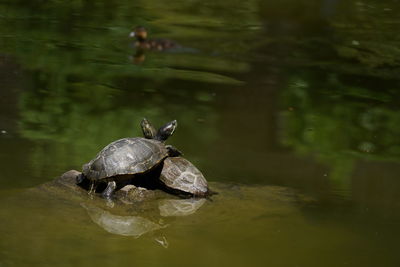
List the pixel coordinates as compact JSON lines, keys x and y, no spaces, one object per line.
{"x":135,"y":211}
{"x":362,"y":120}
{"x":139,"y":217}
{"x":54,"y":223}
{"x":121,"y":225}
{"x":312,"y":85}
{"x":162,"y":241}
{"x":180,"y":207}
{"x":81,"y":93}
{"x":129,"y":225}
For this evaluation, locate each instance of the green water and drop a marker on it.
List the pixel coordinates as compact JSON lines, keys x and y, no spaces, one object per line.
{"x":289,"y":108}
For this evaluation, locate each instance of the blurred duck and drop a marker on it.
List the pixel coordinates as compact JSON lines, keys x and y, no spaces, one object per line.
{"x":140,"y":33}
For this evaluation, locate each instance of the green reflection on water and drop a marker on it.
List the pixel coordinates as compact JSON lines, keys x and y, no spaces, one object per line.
{"x":77,"y":123}
{"x":257,"y":77}
{"x":84,"y":91}
{"x":341,"y":122}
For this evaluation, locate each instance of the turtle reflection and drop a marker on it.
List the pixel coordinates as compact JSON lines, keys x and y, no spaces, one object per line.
{"x":180,"y":207}
{"x":137,"y":220}
{"x":121,"y":225}
{"x":137,"y":210}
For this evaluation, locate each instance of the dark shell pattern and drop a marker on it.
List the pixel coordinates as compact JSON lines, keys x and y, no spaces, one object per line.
{"x":179,"y":173}
{"x":125,"y":156}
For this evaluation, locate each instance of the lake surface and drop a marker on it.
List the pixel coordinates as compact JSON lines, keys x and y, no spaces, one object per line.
{"x":291,"y":109}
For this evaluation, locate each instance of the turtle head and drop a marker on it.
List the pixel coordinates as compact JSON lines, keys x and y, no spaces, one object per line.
{"x":148,"y":129}
{"x":166,"y":131}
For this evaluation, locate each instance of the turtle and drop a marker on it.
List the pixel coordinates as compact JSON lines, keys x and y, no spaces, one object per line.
{"x":181,"y":176}
{"x":126,"y":159}
{"x":178,"y":174}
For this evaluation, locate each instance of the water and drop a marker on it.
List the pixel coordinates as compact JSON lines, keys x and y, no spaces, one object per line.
{"x":289,"y":108}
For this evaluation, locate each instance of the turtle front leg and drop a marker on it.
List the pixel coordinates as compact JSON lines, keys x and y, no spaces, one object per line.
{"x":109,"y":189}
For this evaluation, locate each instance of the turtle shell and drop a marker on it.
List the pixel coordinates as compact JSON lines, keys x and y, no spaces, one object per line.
{"x":180,"y":174}
{"x":125,"y":156}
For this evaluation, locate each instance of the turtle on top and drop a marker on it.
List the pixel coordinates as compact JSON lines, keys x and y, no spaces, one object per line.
{"x":142,"y":42}
{"x":129,"y":160}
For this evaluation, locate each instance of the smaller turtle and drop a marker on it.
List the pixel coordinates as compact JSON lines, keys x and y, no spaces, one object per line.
{"x":178,"y":174}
